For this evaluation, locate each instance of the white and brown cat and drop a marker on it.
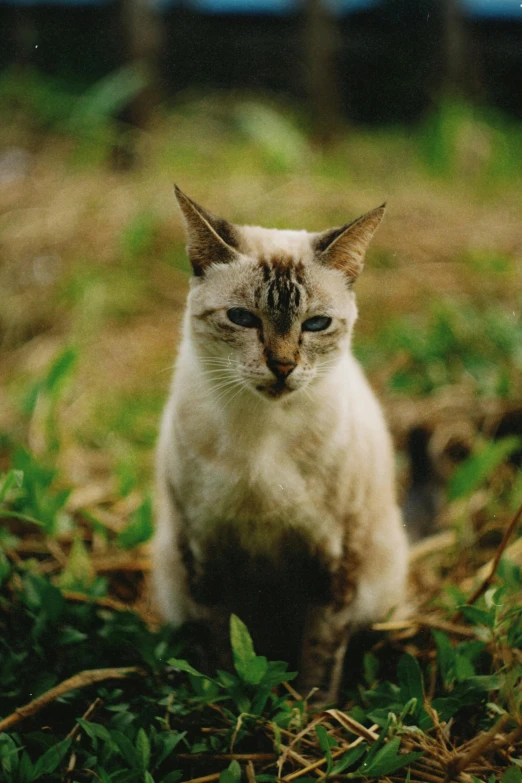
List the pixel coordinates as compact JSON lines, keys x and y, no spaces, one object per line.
{"x":275,"y":472}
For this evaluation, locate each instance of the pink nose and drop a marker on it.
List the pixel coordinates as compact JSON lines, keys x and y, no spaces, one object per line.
{"x":281,"y":368}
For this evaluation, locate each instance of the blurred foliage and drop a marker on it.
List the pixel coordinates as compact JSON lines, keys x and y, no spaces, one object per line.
{"x":94,"y":279}
{"x":44,"y":104}
{"x":455,"y":341}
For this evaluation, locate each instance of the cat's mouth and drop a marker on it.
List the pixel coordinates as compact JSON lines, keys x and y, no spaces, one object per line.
{"x":275,"y":390}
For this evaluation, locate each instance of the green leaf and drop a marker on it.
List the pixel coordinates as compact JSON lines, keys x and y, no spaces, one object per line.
{"x":173,"y":777}
{"x":250,"y":667}
{"x":464,"y":669}
{"x":5,"y":567}
{"x":242,"y":645}
{"x":51,"y":759}
{"x":349,"y":758}
{"x":25,"y":769}
{"x":446,"y":708}
{"x":79,"y":572}
{"x":445,"y":657}
{"x":168,"y":740}
{"x":14,"y":478}
{"x":140,"y":528}
{"x":126,"y":748}
{"x":485,"y":682}
{"x":232,"y":774}
{"x":260,"y":699}
{"x":477,"y":616}
{"x":276,"y":673}
{"x":8,"y":754}
{"x":325,"y":742}
{"x":371,"y":667}
{"x":512,"y":775}
{"x":477,"y":468}
{"x":96,"y":731}
{"x":410,"y":680}
{"x":143,"y":749}
{"x":61,"y":368}
{"x":184,"y":666}
{"x":148,"y":778}
{"x":386,"y":761}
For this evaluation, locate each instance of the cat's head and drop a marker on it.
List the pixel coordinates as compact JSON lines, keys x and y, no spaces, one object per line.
{"x":269,"y":310}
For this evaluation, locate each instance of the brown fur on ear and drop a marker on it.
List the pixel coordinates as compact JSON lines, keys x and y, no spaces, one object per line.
{"x":211,"y":240}
{"x":344,"y":248}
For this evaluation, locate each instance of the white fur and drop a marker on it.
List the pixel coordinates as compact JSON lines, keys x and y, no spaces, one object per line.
{"x":248,"y":459}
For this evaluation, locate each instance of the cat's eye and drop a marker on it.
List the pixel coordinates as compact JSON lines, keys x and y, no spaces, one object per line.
{"x":242,"y":317}
{"x":316,"y":324}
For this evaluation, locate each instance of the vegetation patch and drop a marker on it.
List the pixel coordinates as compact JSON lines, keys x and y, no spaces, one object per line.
{"x":93,"y":282}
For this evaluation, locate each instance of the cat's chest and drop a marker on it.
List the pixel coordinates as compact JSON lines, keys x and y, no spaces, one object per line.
{"x":274,"y":482}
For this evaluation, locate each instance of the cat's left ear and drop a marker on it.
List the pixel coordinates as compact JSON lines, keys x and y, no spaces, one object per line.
{"x":344,"y":248}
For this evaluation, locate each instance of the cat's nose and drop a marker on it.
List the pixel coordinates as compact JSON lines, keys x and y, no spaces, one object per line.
{"x":281,"y":367}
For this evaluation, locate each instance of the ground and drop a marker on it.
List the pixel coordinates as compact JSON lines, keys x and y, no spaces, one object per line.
{"x":93,"y":281}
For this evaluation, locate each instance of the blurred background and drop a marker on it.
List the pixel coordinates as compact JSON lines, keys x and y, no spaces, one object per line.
{"x":287,"y":113}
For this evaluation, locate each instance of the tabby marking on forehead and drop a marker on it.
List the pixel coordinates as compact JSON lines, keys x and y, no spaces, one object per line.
{"x":283,"y":279}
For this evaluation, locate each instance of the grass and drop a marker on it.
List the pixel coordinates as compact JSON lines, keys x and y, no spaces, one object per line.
{"x":93,"y":282}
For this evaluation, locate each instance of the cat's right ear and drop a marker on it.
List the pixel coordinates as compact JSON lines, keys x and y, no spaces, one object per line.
{"x":210,"y":240}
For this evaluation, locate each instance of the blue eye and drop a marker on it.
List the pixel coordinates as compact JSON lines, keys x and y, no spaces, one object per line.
{"x":242,"y":317}
{"x":316,"y":324}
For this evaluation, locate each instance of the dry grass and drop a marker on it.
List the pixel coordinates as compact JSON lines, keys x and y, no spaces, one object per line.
{"x":93,"y":258}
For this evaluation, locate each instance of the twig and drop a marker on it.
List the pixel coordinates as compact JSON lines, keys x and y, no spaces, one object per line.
{"x":229,"y":756}
{"x":106,"y":602}
{"x":509,"y":739}
{"x":459,"y":762}
{"x":353,"y":725}
{"x":292,"y":691}
{"x":80,"y":680}
{"x":305,"y":765}
{"x":431,"y":545}
{"x":250,"y":772}
{"x":427,"y":776}
{"x":239,"y":723}
{"x":75,"y":731}
{"x":481,"y":589}
{"x":428,"y":622}
{"x":312,"y":767}
{"x":86,"y":715}
{"x":205,"y":778}
{"x":307,"y":729}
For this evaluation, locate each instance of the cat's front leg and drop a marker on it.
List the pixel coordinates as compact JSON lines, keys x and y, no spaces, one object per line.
{"x":325,"y":639}
{"x":169,"y":572}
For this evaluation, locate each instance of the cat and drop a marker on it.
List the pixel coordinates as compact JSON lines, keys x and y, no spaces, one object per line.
{"x":275,"y":470}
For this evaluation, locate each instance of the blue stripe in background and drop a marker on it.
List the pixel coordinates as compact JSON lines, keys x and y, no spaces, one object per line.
{"x":487,"y":9}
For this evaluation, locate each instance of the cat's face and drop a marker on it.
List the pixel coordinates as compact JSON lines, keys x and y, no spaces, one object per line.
{"x":271,"y":311}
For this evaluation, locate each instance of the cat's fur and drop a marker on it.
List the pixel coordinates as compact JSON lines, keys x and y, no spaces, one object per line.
{"x":275,"y":489}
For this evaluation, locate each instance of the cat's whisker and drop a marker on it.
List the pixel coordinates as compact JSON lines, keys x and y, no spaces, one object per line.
{"x":242,"y":386}
{"x":217,"y":371}
{"x":218,"y":387}
{"x":230,"y":389}
{"x":306,"y":391}
{"x":167,"y":369}
{"x":216,"y":360}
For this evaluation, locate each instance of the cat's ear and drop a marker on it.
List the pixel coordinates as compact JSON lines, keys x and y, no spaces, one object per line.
{"x":210,"y":240}
{"x":344,"y":248}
